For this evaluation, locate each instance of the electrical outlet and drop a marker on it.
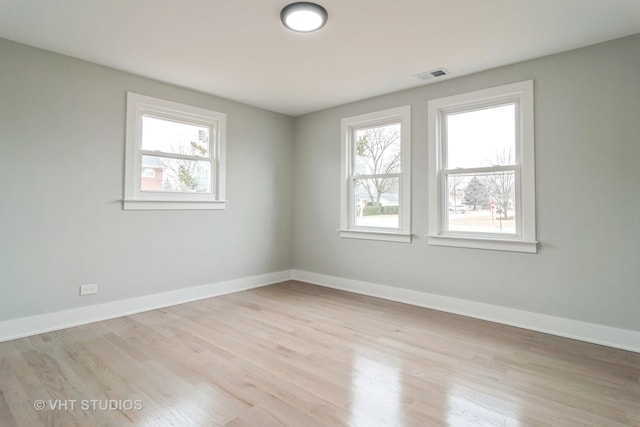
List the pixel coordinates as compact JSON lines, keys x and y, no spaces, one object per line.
{"x":89,"y":289}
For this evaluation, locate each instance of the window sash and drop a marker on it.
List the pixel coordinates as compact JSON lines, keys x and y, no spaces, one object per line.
{"x":445,"y":113}
{"x":181,"y":119}
{"x":212,"y":179}
{"x":444,"y":200}
{"x":353,"y":207}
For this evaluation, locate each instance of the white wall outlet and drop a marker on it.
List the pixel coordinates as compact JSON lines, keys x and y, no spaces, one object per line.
{"x":89,"y":289}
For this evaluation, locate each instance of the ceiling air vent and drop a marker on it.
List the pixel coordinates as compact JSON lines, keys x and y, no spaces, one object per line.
{"x":438,"y":72}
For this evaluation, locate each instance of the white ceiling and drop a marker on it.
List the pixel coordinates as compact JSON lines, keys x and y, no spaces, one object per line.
{"x":240,"y":50}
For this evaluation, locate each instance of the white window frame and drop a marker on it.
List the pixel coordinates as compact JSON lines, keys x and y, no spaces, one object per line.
{"x":349,"y":126}
{"x":136,"y":199}
{"x":525,"y":238}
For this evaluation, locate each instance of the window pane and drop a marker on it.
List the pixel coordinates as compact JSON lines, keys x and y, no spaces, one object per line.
{"x":376,"y":202}
{"x":482,"y":203}
{"x":481,"y":138}
{"x":377,"y":150}
{"x":174,"y":137}
{"x":175,"y":175}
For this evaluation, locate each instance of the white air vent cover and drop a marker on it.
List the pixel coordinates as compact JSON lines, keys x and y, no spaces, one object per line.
{"x":432,"y":74}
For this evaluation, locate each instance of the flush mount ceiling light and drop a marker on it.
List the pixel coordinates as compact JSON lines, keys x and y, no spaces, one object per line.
{"x":304,"y":17}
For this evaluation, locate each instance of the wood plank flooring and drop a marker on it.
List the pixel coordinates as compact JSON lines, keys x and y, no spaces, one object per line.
{"x":294,"y":354}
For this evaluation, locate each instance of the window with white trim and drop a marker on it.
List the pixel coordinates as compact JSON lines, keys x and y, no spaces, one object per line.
{"x":481,"y":169}
{"x":376,"y":176}
{"x":175,"y":155}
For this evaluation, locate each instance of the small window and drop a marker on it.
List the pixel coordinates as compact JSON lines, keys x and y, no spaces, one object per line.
{"x":175,"y":155}
{"x":376,"y":176}
{"x":482,"y":169}
{"x":148,"y":173}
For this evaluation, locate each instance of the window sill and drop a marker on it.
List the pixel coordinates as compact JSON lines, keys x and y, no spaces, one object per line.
{"x":172,"y":205}
{"x":388,"y":236}
{"x":484,"y":243}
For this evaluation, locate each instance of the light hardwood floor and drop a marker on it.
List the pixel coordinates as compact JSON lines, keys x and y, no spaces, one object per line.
{"x":300,"y":355}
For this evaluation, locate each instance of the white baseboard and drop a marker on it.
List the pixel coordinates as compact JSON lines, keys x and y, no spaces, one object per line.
{"x":41,"y":323}
{"x":590,"y":332}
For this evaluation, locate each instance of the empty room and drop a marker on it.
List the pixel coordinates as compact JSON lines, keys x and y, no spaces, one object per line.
{"x":342,"y":213}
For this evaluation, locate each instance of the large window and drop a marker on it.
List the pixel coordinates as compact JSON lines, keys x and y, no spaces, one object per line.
{"x":482,"y":169}
{"x":175,"y":155}
{"x":375,"y":196}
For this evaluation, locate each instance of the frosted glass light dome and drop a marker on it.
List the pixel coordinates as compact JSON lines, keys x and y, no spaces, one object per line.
{"x":303,"y":17}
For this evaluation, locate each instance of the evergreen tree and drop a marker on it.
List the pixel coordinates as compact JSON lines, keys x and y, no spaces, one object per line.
{"x":476,"y":193}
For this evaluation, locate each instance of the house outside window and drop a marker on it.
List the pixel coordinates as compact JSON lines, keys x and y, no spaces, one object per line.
{"x":481,"y":169}
{"x":175,"y":155}
{"x":376,"y":176}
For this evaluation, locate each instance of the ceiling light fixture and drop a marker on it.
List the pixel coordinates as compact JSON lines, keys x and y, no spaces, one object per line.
{"x":303,"y":17}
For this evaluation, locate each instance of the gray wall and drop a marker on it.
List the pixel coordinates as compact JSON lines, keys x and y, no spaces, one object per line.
{"x":61,"y":182}
{"x":587,"y":128}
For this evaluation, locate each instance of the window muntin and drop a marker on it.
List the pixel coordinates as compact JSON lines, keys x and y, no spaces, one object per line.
{"x":376,"y":172}
{"x":175,"y":155}
{"x":481,"y":169}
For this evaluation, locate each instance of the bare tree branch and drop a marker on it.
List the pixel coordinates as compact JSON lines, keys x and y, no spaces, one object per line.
{"x":379,"y":151}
